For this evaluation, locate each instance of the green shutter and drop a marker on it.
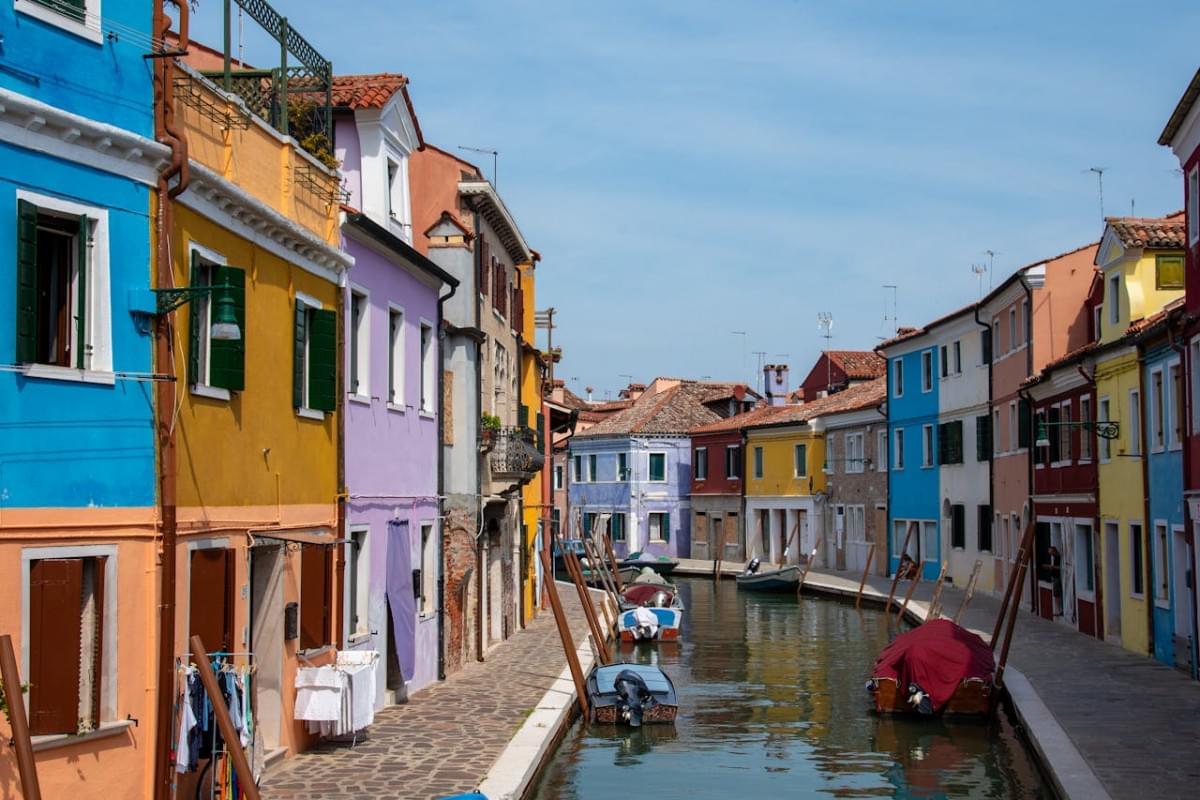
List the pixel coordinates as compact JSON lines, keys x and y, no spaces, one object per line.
{"x":299,"y":333}
{"x":322,"y":361}
{"x":227,"y":360}
{"x":1023,"y":423}
{"x":27,"y":278}
{"x":986,"y":335}
{"x":81,"y":279}
{"x":983,"y":438}
{"x":666,"y":531}
{"x":73,"y":9}
{"x":194,"y":376}
{"x":523,"y":416}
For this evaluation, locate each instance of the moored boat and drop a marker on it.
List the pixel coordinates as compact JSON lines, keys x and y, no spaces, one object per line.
{"x":643,"y":594}
{"x":771,"y":579}
{"x":631,"y":694}
{"x":650,"y":624}
{"x":937,"y":668}
{"x":663,"y":565}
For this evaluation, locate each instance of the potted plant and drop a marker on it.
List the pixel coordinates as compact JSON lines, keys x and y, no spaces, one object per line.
{"x":489,"y":428}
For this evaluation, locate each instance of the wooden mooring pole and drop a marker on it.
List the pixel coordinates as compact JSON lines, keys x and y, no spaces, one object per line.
{"x":866,"y":572}
{"x":970,"y":591}
{"x":610,"y":587}
{"x":589,"y":611}
{"x":14,"y":698}
{"x":804,"y":575}
{"x":896,"y":578}
{"x":564,"y":634}
{"x":908,"y":595}
{"x":1014,"y":585}
{"x":935,"y":607}
{"x":233,"y":745}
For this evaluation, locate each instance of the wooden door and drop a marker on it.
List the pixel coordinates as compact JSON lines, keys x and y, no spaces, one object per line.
{"x":210,"y":607}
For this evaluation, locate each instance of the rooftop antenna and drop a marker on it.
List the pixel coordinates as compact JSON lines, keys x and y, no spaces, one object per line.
{"x":1100,"y":180}
{"x":895,"y":320}
{"x":762,"y":359}
{"x":979,"y":269}
{"x":1132,"y":206}
{"x":495,"y":154}
{"x":991,"y":254}
{"x":825,"y":324}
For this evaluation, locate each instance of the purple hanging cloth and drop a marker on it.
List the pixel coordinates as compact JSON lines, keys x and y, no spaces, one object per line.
{"x":400,"y":596}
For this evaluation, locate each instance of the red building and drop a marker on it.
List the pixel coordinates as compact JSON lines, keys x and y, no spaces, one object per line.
{"x":836,"y":370}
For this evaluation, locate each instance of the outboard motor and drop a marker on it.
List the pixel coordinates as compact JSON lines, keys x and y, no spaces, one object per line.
{"x":659,"y":600}
{"x":635,"y":696}
{"x":752,"y":567}
{"x":919,"y":699}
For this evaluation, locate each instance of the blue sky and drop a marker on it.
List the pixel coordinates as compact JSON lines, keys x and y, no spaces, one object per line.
{"x":692,"y":169}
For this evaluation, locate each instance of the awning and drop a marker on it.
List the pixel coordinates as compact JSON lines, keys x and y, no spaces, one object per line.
{"x":300,"y":536}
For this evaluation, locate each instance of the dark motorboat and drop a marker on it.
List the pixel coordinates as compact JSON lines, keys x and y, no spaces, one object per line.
{"x":937,"y":668}
{"x":631,"y":694}
{"x":771,"y":579}
{"x":663,"y":565}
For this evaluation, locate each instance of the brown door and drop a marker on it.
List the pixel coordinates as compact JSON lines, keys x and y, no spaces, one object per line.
{"x":211,"y":600}
{"x":55,"y":608}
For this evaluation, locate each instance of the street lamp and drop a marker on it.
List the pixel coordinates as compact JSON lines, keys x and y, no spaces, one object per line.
{"x":224,"y":326}
{"x":1103,"y":429}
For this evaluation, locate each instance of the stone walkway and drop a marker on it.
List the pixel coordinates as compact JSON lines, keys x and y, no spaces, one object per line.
{"x":1133,"y":720}
{"x":447,"y":737}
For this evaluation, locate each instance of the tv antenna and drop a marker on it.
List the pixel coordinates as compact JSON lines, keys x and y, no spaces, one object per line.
{"x":991,"y":254}
{"x":979,"y":269}
{"x":894,"y":319}
{"x":495,"y":154}
{"x":762,"y":359}
{"x":825,"y":324}
{"x":1099,"y":171}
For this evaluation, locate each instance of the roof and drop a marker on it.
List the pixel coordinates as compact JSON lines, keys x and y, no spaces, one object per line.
{"x":355,"y":92}
{"x":1016,"y":275}
{"x":1181,"y":110}
{"x":397,"y":245}
{"x":864,"y":395}
{"x":860,"y":364}
{"x":483,"y":197}
{"x":675,"y":410}
{"x":903,"y":334}
{"x":756,"y":416}
{"x":1146,"y":323}
{"x":1164,"y":232}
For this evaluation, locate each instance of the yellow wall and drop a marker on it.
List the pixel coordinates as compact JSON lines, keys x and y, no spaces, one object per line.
{"x":1138,"y":298}
{"x":1121,"y":495}
{"x":778,"y":462}
{"x":253,"y":450}
{"x":531,"y":397}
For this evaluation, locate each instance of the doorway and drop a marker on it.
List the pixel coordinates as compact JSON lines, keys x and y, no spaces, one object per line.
{"x":1111,"y":574}
{"x":1181,"y":599}
{"x":266,"y":639}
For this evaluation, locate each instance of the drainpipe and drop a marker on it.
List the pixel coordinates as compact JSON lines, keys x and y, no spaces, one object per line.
{"x":441,"y":482}
{"x":1031,"y":450}
{"x":1147,"y":522}
{"x":339,"y":569}
{"x":1186,"y":411}
{"x":479,"y":551}
{"x":166,"y":131}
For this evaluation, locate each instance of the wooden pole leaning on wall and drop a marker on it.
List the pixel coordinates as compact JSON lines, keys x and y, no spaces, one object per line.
{"x":589,"y":611}
{"x":1012,"y":621}
{"x":612,"y":559}
{"x":233,"y":745}
{"x":866,"y":572}
{"x":564,"y":634}
{"x":972,"y":582}
{"x":908,"y":595}
{"x":13,"y":696}
{"x":609,"y":586}
{"x":788,"y":544}
{"x":1014,"y":585}
{"x":935,"y":604}
{"x":717,"y":556}
{"x":804,"y":574}
{"x":896,"y":578}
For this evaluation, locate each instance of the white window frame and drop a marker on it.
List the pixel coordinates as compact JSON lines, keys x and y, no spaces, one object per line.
{"x":430,"y":544}
{"x":757,"y":454}
{"x":360,"y":590}
{"x":898,"y":377}
{"x":650,"y":526}
{"x":89,"y":29}
{"x":1085,"y":432}
{"x":800,"y":460}
{"x":427,"y":355}
{"x":855,"y":453}
{"x":1080,"y":581}
{"x":829,"y":467}
{"x":699,"y":465}
{"x":623,"y":467}
{"x":1173,"y":415}
{"x":309,"y":302}
{"x":1113,"y":298}
{"x":958,"y":357}
{"x":997,"y":436}
{"x":666,"y":470}
{"x":1103,"y":414}
{"x":98,"y":354}
{"x":577,"y":467}
{"x":898,"y":449}
{"x":558,"y":477}
{"x":734,"y":463}
{"x":927,"y":371}
{"x":1014,"y":427}
{"x":881,"y":443}
{"x":593,"y":467}
{"x":1160,"y":552}
{"x":361,"y":332}
{"x":396,"y":343}
{"x":203,"y":307}
{"x":1157,"y":409}
{"x":1134,"y":436}
{"x":928,"y":445}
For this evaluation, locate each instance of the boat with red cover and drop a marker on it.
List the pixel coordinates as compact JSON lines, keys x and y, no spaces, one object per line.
{"x":937,"y":668}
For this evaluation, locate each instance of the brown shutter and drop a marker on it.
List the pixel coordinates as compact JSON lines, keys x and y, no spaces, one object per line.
{"x":55,"y":600}
{"x":315,"y":616}
{"x":210,"y":614}
{"x":484,"y":265}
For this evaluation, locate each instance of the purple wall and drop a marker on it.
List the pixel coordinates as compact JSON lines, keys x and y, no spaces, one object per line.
{"x":347,"y":151}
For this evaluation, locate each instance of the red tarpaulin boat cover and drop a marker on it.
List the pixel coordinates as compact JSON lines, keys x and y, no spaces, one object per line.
{"x":641,"y":593}
{"x":937,"y":656}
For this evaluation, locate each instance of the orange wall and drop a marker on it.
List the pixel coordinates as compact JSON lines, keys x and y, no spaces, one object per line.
{"x":1060,"y":318}
{"x":433,"y":177}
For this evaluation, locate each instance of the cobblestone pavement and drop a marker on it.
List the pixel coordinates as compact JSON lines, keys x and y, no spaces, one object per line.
{"x":446,"y":738}
{"x":1135,"y":721}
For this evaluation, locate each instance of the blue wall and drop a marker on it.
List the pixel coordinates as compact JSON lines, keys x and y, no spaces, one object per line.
{"x":64,"y":443}
{"x":107,"y":81}
{"x":913,"y":491}
{"x":1165,"y":491}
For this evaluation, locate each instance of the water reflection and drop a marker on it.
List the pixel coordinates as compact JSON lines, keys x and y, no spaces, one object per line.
{"x":771,"y":699}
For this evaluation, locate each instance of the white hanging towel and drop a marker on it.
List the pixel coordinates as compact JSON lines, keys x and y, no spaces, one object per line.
{"x":318,"y":694}
{"x":359,"y":666}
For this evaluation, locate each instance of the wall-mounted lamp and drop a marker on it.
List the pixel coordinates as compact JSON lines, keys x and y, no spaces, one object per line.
{"x":224,"y":327}
{"x":1105,"y":430}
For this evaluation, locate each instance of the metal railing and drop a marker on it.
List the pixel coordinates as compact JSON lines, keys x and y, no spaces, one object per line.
{"x":515,"y":453}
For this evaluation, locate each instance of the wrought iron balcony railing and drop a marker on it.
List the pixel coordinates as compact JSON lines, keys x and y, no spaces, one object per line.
{"x":515,"y":454}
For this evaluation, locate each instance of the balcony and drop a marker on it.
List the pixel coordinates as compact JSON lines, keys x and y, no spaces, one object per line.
{"x":514,"y":454}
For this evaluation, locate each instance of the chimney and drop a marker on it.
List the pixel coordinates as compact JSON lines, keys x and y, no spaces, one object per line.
{"x":775,"y":384}
{"x":589,"y":393}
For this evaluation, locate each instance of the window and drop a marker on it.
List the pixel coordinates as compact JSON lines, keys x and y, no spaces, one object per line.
{"x":997,"y":446}
{"x":589,"y":522}
{"x":427,"y":367}
{"x":996,"y":338}
{"x":360,"y":358}
{"x":393,"y":175}
{"x":1135,"y":423}
{"x":1097,"y":315}
{"x":758,"y":462}
{"x":1103,"y":416}
{"x":591,"y":468}
{"x":945,"y":361}
{"x":1161,"y":576}
{"x":660,"y":527}
{"x":1137,"y":564}
{"x":623,"y":466}
{"x":1085,"y":433}
{"x":658,"y":467}
{"x":618,"y":527}
{"x":80,"y":17}
{"x":396,"y":195}
{"x":314,"y":354}
{"x":1028,"y":320}
{"x":950,"y":442}
{"x":927,"y":371}
{"x":1168,"y":272}
{"x":958,"y":526}
{"x":1157,"y":424}
{"x":215,"y":366}
{"x":1194,"y":373}
{"x":316,"y":565}
{"x":855,"y":457}
{"x":898,"y":378}
{"x":829,"y":459}
{"x":1175,"y":405}
{"x":1065,"y":434}
{"x":429,"y":569}
{"x":700,"y":463}
{"x":733,"y":462}
{"x":898,"y":455}
{"x":1193,"y":205}
{"x":985,"y":529}
{"x":396,"y":357}
{"x":1013,"y":427}
{"x":577,"y":469}
{"x":1047,"y":451}
{"x":558,"y":477}
{"x":957,"y":357}
{"x":800,"y":460}
{"x":983,"y":437}
{"x":66,"y":636}
{"x":985,"y":345}
{"x":1024,"y":439}
{"x":1085,"y":556}
{"x":357,"y":580}
{"x":927,"y":446}
{"x":1012,"y":328}
{"x":881,"y":460}
{"x":1113,"y":300}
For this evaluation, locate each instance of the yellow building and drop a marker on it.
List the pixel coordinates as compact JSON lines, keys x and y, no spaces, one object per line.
{"x":784,"y":469}
{"x":534,"y":501}
{"x":257,"y":420}
{"x":1141,"y":273}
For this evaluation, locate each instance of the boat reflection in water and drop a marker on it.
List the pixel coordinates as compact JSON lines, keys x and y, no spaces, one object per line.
{"x":771,"y":702}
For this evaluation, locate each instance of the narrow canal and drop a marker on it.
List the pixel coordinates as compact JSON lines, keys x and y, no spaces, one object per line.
{"x":772,"y":704}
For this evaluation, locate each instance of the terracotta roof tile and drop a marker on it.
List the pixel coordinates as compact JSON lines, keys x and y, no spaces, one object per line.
{"x":858,"y":364}
{"x":366,"y":91}
{"x":675,"y":410}
{"x":909,"y":333}
{"x":864,"y":395}
{"x":1162,"y":232}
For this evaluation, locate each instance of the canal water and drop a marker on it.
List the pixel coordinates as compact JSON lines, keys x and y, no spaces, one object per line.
{"x":772,"y":704}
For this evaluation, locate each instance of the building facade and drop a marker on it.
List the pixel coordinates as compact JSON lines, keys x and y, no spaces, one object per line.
{"x":717,"y":490}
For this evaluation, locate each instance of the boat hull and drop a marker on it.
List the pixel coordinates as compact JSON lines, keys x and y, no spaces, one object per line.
{"x":972,"y":698}
{"x":782,"y":579}
{"x":669,"y":621}
{"x":606,"y":703}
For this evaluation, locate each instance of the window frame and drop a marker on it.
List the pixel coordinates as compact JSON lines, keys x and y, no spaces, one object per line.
{"x":557,"y":478}
{"x":1103,"y":414}
{"x":430,"y":555}
{"x":733,"y":462}
{"x":1086,"y":432}
{"x":664,"y":528}
{"x":1175,"y":392}
{"x":89,"y":28}
{"x":650,"y":466}
{"x":623,"y":475}
{"x":898,"y":377}
{"x":699,"y":464}
{"x":1137,"y":560}
{"x":1114,"y":302}
{"x":202,"y":305}
{"x":898,"y":449}
{"x":928,"y":443}
{"x":1159,"y":260}
{"x":396,"y":358}
{"x":310,"y":304}
{"x":957,"y":357}
{"x":829,"y":466}
{"x":593,"y":468}
{"x":800,"y":460}
{"x":358,"y":581}
{"x":758,"y":462}
{"x":881,"y":447}
{"x":856,"y":453}
{"x":927,"y":372}
{"x":1135,"y":442}
{"x":1161,"y":558}
{"x":427,"y":351}
{"x":1156,"y":421}
{"x":358,"y":346}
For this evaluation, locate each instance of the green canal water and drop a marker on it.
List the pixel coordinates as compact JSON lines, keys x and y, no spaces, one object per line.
{"x":771,"y":705}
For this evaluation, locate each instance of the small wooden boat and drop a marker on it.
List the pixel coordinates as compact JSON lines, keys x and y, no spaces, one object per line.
{"x":645,"y":624}
{"x":937,"y":668}
{"x":641,"y":594}
{"x":771,"y":579}
{"x":663,"y":565}
{"x":631,"y":694}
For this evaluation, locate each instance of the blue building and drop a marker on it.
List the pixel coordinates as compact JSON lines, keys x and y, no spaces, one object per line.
{"x":77,"y":444}
{"x":636,"y":466}
{"x":913,"y":486}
